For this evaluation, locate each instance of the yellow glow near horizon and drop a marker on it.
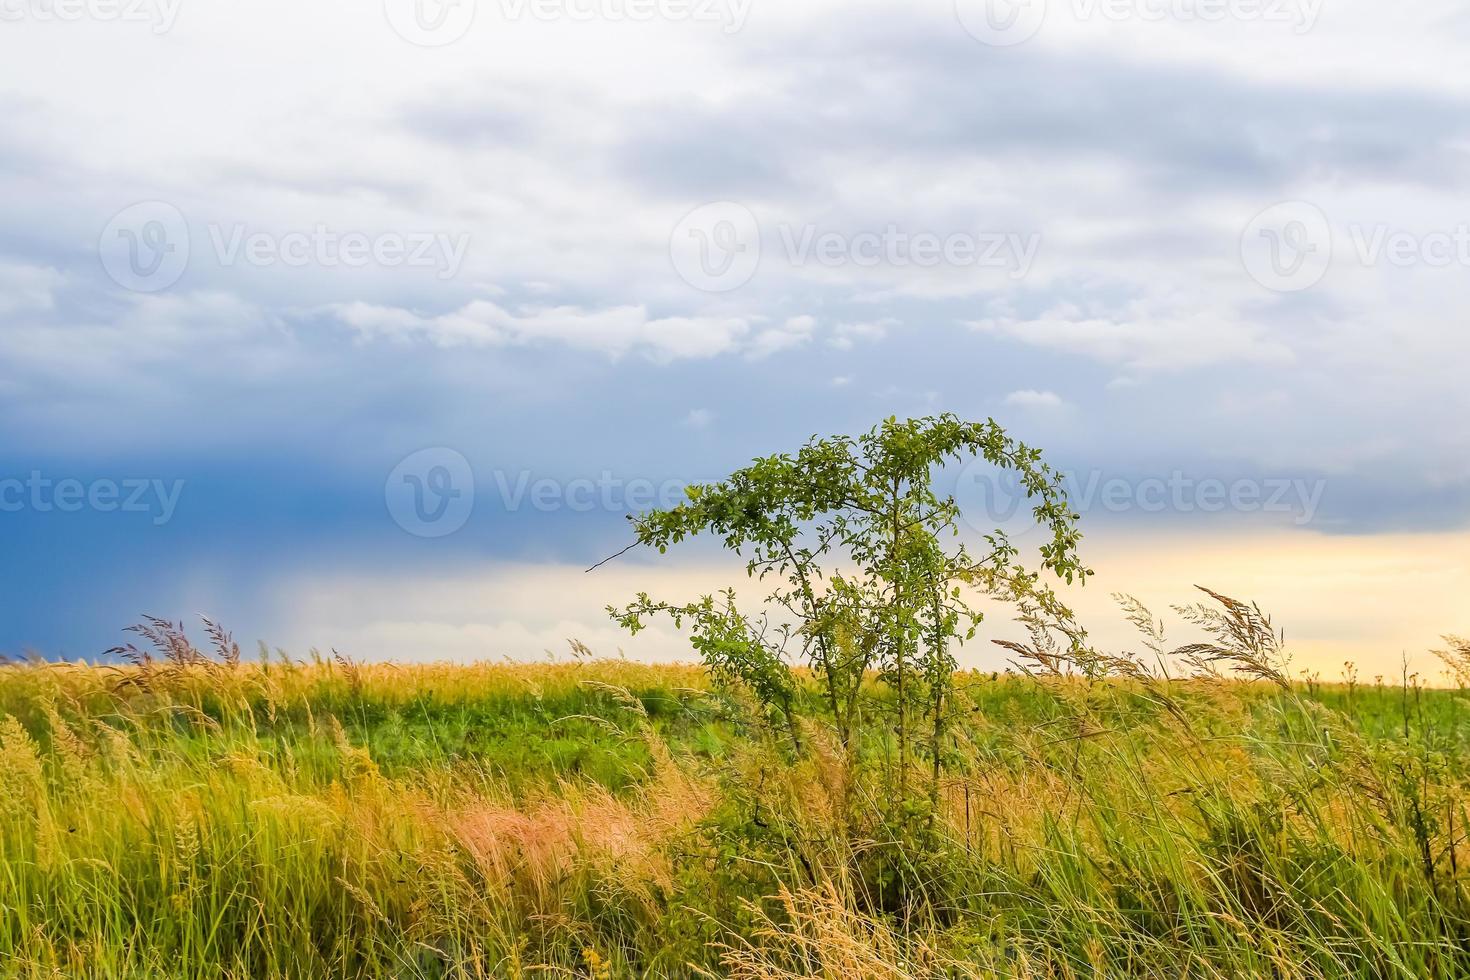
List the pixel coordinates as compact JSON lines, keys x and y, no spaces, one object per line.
{"x":1367,"y":599}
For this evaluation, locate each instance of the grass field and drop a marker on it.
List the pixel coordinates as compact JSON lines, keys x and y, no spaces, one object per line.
{"x":185,"y":818}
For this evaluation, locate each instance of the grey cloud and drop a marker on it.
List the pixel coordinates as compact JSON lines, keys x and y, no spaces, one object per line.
{"x":491,"y":120}
{"x":682,"y":151}
{"x":892,"y":93}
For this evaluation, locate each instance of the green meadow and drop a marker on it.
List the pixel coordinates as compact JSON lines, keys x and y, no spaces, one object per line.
{"x":198,"y":816}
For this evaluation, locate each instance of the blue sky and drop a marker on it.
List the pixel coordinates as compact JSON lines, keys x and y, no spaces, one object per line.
{"x":254,"y":257}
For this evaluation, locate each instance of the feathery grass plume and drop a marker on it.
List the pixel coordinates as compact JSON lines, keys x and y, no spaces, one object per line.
{"x":22,"y":776}
{"x":1242,"y":638}
{"x":224,"y":644}
{"x":72,"y":754}
{"x":350,"y":670}
{"x":819,"y":936}
{"x":1456,"y":658}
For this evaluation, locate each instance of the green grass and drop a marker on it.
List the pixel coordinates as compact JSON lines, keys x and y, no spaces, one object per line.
{"x":613,"y":819}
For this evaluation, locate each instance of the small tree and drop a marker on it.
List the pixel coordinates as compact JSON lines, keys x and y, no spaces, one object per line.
{"x":865,"y":570}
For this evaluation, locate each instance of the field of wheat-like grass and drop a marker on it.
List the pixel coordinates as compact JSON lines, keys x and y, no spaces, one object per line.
{"x":195,"y":816}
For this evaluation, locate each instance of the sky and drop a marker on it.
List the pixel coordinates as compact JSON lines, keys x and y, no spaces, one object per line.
{"x":363,"y":325}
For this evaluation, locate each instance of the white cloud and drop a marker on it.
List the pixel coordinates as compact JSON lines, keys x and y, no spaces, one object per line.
{"x":795,"y":332}
{"x":847,"y":335}
{"x":615,"y":331}
{"x":27,"y":288}
{"x":150,"y":330}
{"x":1147,"y":334}
{"x":1030,"y":398}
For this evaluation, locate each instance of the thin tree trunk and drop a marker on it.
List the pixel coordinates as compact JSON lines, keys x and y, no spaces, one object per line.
{"x":903,"y":735}
{"x":939,"y":682}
